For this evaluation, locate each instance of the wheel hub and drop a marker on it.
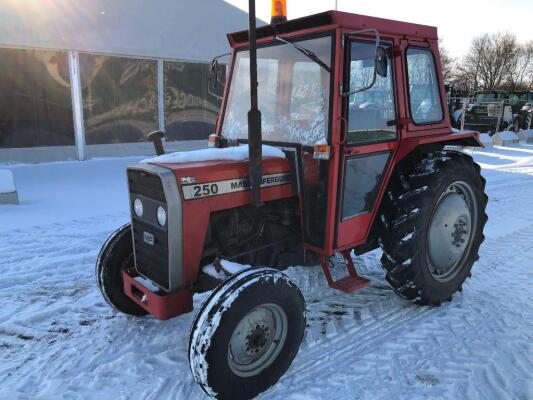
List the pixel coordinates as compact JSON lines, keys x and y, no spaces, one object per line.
{"x":460,"y":230}
{"x":257,"y":340}
{"x":450,"y":230}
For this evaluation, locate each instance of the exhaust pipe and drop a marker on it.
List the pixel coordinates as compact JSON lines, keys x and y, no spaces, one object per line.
{"x":255,"y":154}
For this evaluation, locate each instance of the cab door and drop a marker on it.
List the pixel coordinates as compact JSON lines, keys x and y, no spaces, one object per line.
{"x":370,"y":136}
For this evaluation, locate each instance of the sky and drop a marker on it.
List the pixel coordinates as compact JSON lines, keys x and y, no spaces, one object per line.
{"x":458,"y":21}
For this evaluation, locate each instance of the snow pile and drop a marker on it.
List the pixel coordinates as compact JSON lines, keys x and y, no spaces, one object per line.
{"x":237,"y":153}
{"x":526,"y":135}
{"x":8,"y":191}
{"x":485,"y":139}
{"x":505,"y":138}
{"x":148,"y":284}
{"x":226,"y":268}
{"x":7,"y":183}
{"x":507,"y":135}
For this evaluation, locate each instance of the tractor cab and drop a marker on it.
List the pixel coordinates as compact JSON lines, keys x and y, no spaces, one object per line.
{"x":327,"y":82}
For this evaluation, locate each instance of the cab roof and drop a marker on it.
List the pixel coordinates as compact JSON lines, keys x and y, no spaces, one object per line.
{"x":339,"y":19}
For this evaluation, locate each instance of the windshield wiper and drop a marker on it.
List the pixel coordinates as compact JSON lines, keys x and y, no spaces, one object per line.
{"x":308,"y":53}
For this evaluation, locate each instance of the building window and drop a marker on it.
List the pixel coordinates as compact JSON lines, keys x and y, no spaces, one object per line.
{"x":35,"y":100}
{"x":424,"y":94}
{"x":190,"y":110}
{"x":119,"y":98}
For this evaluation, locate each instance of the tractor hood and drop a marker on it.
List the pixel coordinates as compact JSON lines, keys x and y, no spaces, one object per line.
{"x":217,"y":172}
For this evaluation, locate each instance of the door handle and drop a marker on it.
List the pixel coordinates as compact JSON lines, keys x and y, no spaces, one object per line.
{"x":401,"y":122}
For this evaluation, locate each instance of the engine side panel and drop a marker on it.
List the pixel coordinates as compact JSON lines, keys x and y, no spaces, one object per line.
{"x":196,"y":210}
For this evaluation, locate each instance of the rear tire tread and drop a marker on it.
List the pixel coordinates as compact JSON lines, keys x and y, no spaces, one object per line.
{"x":412,"y":189}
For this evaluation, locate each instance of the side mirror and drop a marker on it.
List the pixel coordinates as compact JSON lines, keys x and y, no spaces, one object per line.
{"x":382,"y":63}
{"x":214,"y":78}
{"x":380,"y":60}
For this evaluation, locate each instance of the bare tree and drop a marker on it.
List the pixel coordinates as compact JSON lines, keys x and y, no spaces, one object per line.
{"x":448,"y":63}
{"x":490,"y":61}
{"x":495,"y":61}
{"x":522,"y":78}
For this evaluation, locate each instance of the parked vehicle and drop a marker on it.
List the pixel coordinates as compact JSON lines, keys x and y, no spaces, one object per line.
{"x":489,"y":112}
{"x":522,"y":106}
{"x":335,"y":178}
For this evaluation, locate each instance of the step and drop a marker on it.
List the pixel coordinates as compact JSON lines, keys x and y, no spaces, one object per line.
{"x":350,"y":284}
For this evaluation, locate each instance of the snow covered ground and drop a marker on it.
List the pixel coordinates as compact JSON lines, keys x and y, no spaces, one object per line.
{"x":58,"y":339}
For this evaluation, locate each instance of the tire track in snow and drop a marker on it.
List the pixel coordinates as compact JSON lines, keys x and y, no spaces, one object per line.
{"x":442,"y":326}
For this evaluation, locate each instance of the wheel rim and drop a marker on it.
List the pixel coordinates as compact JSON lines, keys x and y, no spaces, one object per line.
{"x":451,"y":230}
{"x":257,"y":340}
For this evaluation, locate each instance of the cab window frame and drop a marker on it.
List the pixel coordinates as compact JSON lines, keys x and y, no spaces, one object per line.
{"x":331,"y":33}
{"x":346,"y":84}
{"x":437,"y":81}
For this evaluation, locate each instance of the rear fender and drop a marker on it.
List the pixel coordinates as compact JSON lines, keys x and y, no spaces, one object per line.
{"x":431,"y":143}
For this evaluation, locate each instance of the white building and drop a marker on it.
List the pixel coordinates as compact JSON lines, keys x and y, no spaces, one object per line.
{"x":88,"y":78}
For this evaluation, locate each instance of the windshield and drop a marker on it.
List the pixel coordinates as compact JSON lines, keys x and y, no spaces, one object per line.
{"x":488,"y":97}
{"x":293,"y":93}
{"x":515,"y":97}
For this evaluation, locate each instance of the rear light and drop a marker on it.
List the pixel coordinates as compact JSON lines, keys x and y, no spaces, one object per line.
{"x":217,"y":141}
{"x":322,"y":152}
{"x":212,"y":140}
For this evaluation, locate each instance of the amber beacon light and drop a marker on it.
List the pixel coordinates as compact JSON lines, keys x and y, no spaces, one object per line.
{"x":279,"y":12}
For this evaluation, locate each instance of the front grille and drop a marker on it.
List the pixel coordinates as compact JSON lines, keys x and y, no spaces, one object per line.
{"x":151,"y":260}
{"x":146,"y":184}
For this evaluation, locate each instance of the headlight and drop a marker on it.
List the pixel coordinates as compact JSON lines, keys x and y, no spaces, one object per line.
{"x":161,"y":216}
{"x":138,"y":207}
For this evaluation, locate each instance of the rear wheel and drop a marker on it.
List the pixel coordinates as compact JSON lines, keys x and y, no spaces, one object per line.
{"x":433,"y":218}
{"x":246,"y":334}
{"x":115,"y":257}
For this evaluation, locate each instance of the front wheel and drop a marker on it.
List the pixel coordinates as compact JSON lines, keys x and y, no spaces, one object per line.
{"x":115,"y":257}
{"x":433,"y":217}
{"x":246,"y":334}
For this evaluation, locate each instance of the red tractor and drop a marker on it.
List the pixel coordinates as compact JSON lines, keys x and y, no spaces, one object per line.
{"x":348,"y":154}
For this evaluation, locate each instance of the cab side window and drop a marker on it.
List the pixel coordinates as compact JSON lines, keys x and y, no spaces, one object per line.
{"x":371,"y":113}
{"x":423,"y":84}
